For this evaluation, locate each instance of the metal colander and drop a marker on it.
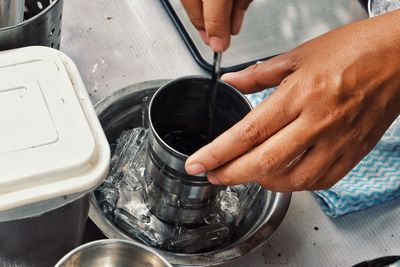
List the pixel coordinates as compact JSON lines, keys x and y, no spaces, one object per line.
{"x":41,"y":26}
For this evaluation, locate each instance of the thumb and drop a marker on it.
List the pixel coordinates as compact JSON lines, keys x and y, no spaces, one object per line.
{"x":262,"y":75}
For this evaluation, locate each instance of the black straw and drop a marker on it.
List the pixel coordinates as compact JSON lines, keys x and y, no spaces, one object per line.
{"x":214,"y":89}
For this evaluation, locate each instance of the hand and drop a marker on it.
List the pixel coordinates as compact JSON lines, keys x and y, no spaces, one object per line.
{"x":337,"y":95}
{"x":216,"y":20}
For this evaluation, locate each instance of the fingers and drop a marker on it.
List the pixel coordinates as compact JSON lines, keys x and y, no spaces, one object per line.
{"x":271,"y":157}
{"x":264,"y":75}
{"x":216,"y":20}
{"x":260,"y":124}
{"x":337,"y":171}
{"x":194,"y":9}
{"x":238,"y":10}
{"x":304,"y":174}
{"x":217,"y":23}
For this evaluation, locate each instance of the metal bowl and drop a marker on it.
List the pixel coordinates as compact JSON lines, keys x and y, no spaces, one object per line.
{"x":112,"y":253}
{"x":123,"y":110}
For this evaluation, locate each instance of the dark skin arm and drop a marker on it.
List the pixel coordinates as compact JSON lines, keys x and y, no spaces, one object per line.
{"x":337,"y":95}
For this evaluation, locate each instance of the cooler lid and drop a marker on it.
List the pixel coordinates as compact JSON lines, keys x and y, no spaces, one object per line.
{"x":51,"y":142}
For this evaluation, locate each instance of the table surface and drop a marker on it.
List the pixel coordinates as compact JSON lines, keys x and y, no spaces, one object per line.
{"x":116,"y":43}
{"x":272,"y":27}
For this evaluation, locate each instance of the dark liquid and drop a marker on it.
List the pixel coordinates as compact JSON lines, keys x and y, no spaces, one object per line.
{"x":186,"y":142}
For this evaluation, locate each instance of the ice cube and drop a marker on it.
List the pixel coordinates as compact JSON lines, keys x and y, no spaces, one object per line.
{"x":229,"y":201}
{"x":199,"y":239}
{"x":136,"y":228}
{"x":246,"y":200}
{"x":107,"y":198}
{"x":127,"y":147}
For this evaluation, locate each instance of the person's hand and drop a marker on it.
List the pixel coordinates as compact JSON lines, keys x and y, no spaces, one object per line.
{"x":216,"y":20}
{"x":337,"y":95}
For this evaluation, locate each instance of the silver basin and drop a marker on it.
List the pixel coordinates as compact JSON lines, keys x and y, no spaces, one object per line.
{"x":123,"y":110}
{"x":112,"y":253}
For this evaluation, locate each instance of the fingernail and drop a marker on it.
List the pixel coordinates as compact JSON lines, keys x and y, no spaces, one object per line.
{"x":228,"y":76}
{"x":195,"y":169}
{"x":213,"y":179}
{"x":217,"y":44}
{"x":203,"y":36}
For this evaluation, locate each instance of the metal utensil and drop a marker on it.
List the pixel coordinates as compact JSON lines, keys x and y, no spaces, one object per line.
{"x":214,"y":80}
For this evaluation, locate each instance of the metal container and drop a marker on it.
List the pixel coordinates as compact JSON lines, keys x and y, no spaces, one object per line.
{"x":112,"y":253}
{"x":11,"y":12}
{"x":41,"y":25}
{"x":40,"y":234}
{"x":122,"y":111}
{"x":180,"y":107}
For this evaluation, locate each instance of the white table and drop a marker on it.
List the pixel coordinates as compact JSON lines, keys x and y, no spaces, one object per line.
{"x":116,"y":43}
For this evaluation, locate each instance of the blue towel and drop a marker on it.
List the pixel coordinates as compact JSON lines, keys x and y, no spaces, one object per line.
{"x":375,"y":180}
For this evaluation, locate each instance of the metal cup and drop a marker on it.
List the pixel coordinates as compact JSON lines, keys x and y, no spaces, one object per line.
{"x":11,"y":12}
{"x":182,"y":106}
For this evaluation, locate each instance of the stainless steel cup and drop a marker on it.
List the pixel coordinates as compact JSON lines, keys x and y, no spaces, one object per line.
{"x":182,"y":106}
{"x":11,"y":12}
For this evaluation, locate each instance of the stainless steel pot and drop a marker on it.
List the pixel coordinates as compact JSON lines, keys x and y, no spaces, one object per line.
{"x":179,"y":110}
{"x":11,"y":12}
{"x":41,"y":26}
{"x":123,"y":110}
{"x":112,"y":253}
{"x":40,"y":234}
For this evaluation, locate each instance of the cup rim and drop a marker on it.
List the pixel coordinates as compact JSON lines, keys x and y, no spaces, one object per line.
{"x":172,"y":150}
{"x":101,"y":242}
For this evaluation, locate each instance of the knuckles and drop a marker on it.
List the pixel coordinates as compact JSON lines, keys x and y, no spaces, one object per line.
{"x":250,"y":134}
{"x":300,"y":182}
{"x":267,"y":164}
{"x":216,"y":159}
{"x":215,"y":26}
{"x":225,"y":179}
{"x":325,"y":184}
{"x":198,"y":23}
